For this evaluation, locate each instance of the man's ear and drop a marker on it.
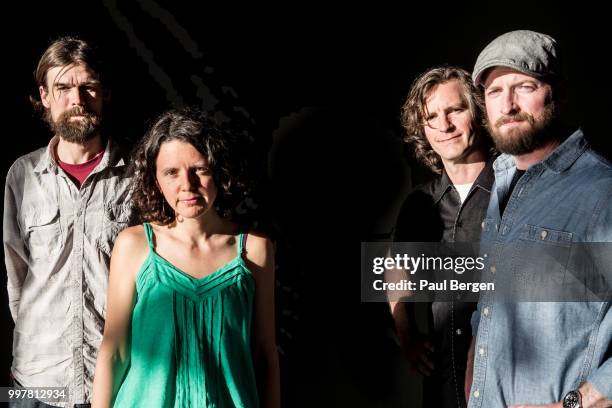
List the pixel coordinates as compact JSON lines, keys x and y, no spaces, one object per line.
{"x":44,"y":96}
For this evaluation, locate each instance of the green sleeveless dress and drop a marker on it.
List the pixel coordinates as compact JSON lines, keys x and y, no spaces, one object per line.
{"x":191,"y":338}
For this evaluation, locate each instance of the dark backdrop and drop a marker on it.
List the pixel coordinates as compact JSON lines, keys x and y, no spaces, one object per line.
{"x":319,"y":88}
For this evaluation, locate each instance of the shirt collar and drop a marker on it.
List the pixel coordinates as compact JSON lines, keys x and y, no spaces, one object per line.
{"x":484,"y":181}
{"x":112,"y":157}
{"x":559,"y":160}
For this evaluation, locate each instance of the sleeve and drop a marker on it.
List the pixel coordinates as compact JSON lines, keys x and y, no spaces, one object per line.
{"x":601,"y":236}
{"x":15,"y":251}
{"x":600,"y":379}
{"x":475,"y":320}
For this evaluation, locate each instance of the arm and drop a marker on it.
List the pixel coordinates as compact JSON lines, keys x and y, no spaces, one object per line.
{"x":414,"y":348}
{"x":597,"y":391}
{"x":591,"y":398}
{"x":260,"y":258}
{"x":469,"y":370}
{"x":114,"y":355}
{"x":15,"y":251}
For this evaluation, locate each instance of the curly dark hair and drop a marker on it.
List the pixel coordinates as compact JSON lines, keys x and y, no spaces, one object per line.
{"x":219,"y":145}
{"x":413,"y":111}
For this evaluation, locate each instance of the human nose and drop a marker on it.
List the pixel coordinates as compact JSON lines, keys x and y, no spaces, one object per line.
{"x":76,"y":96}
{"x":188,"y":181}
{"x":442,"y":122}
{"x":508,"y":103}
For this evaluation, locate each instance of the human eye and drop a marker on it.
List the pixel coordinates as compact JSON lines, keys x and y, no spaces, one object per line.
{"x":526,"y":87}
{"x":93,"y":87}
{"x":202,"y":170}
{"x":430,"y":116}
{"x":169,"y":172}
{"x":492,"y":92}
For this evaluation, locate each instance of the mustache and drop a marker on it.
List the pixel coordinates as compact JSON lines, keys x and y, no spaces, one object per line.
{"x":517,"y":117}
{"x":79,"y":111}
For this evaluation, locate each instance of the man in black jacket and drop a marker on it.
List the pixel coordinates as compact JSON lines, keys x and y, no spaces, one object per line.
{"x":442,"y":117}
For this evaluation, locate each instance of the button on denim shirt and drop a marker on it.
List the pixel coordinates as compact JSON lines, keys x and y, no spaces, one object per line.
{"x":535,"y":352}
{"x":57,"y":245}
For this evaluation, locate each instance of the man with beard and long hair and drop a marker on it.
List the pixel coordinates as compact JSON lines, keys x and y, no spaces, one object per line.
{"x":550,"y":199}
{"x":64,"y":205}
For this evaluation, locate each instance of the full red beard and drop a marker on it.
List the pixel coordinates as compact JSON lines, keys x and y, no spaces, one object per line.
{"x":518,"y":141}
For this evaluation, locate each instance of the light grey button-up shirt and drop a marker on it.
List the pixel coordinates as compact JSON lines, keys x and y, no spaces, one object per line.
{"x":57,"y":244}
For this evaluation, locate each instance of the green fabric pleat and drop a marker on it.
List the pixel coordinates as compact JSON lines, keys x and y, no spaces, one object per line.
{"x":191,"y":338}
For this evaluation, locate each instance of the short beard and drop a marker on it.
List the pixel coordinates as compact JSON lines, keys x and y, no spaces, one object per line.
{"x":518,"y":142}
{"x":75,"y":131}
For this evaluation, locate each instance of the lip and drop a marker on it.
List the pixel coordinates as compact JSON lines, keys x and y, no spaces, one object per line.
{"x":191,"y":200}
{"x":512,"y":123}
{"x":449,"y":139}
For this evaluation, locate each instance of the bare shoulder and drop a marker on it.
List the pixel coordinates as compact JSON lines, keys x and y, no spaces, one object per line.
{"x":259,"y":249}
{"x":132,"y":242}
{"x":129,"y":253}
{"x":132,"y":238}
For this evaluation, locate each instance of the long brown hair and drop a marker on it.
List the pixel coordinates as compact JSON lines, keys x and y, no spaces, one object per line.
{"x":63,"y":52}
{"x":413,"y":111}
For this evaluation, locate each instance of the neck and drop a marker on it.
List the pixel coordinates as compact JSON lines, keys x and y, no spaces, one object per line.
{"x":195,"y":230}
{"x":78,"y":153}
{"x":524,"y":161}
{"x":467,"y":170}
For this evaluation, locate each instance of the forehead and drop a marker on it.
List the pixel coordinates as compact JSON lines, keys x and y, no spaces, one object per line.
{"x":178,"y":151}
{"x":449,"y":92}
{"x":503,"y":75}
{"x":71,"y":74}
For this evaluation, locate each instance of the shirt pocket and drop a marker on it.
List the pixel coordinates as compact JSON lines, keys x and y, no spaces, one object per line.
{"x":43,"y":232}
{"x":116,"y":218}
{"x":541,"y":257}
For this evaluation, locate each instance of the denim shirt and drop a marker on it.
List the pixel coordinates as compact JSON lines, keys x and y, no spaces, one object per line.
{"x":535,"y":352}
{"x":57,"y":245}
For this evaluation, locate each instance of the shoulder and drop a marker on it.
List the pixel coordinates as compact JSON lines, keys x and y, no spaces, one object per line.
{"x":27,"y":162}
{"x":422,"y":196}
{"x":259,"y":248}
{"x":131,"y":239}
{"x":594,"y":173}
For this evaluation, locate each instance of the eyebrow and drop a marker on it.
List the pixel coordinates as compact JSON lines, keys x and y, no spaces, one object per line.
{"x":460,"y":104}
{"x":70,"y":84}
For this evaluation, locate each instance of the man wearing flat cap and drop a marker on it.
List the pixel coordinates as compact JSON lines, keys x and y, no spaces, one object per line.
{"x":551,"y":195}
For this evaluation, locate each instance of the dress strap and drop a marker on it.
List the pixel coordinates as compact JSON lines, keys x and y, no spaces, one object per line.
{"x":242,"y":243}
{"x":149,"y":234}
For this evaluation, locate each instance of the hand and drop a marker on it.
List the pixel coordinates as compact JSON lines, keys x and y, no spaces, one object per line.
{"x":591,"y":398}
{"x":418,"y":353}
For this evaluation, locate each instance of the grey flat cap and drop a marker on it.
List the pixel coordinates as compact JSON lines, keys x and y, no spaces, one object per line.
{"x":526,"y":51}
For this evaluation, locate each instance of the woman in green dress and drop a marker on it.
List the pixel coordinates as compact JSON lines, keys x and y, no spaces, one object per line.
{"x":190,"y":309}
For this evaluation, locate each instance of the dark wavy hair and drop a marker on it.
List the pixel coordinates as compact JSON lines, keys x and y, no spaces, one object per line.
{"x":219,"y":145}
{"x":413,"y":112}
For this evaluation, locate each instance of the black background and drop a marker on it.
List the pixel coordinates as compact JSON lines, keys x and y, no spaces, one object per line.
{"x":338,"y":170}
